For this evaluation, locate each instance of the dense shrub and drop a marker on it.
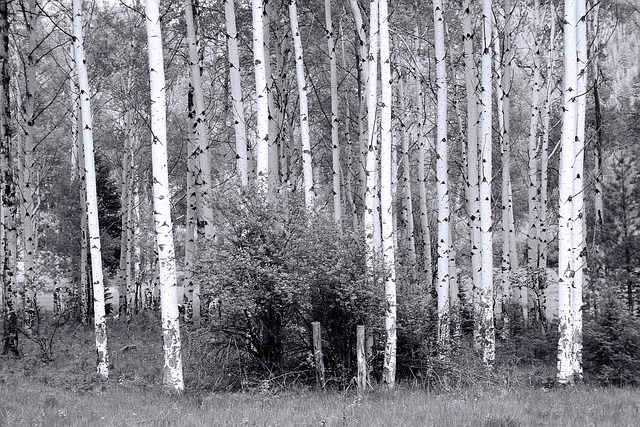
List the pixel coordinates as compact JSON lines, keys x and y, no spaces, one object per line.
{"x":269,"y":273}
{"x":611,"y":352}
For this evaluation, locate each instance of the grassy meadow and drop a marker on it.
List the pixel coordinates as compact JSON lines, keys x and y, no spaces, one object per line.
{"x":65,"y":392}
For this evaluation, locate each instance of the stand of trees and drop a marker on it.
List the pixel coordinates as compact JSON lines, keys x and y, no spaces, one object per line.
{"x":279,"y":181}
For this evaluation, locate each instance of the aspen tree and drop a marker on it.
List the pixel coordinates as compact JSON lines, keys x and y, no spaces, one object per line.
{"x":100,"y":324}
{"x":8,"y":289}
{"x":544,"y":149}
{"x":335,"y":132}
{"x":386,"y":200}
{"x":191,"y":234}
{"x":487,"y":331}
{"x":473,"y":184}
{"x":407,"y":206}
{"x":363,"y":99}
{"x":442,"y":178}
{"x":28,"y":178}
{"x":565,"y":194}
{"x":236,"y":94}
{"x":172,"y":372}
{"x":371,"y":215}
{"x":262,"y":101}
{"x":204,"y":164}
{"x":533,"y":247}
{"x":422,"y":188}
{"x":577,"y":209}
{"x":305,"y":136}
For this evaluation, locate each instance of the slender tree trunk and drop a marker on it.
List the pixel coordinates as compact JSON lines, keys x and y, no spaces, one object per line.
{"x":305,"y":135}
{"x":487,"y":331}
{"x":503,"y":87}
{"x":407,"y":205}
{"x":100,"y":324}
{"x":533,"y":247}
{"x":422,"y":188}
{"x":172,"y":373}
{"x":335,"y":132}
{"x":544,"y":150}
{"x":371,"y":215}
{"x":28,"y":187}
{"x":262,"y":102}
{"x":191,"y":226}
{"x":204,"y":155}
{"x":236,"y":94}
{"x":473,"y":183}
{"x":386,"y":201}
{"x":442,"y":178}
{"x":577,"y":212}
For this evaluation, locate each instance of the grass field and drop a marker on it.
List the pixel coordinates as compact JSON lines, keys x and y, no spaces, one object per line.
{"x":64,"y":392}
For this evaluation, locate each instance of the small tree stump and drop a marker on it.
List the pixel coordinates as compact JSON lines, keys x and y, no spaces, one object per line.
{"x":317,"y":354}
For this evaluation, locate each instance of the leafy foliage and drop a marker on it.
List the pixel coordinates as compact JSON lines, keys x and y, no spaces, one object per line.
{"x":271,"y":271}
{"x":611,"y":352}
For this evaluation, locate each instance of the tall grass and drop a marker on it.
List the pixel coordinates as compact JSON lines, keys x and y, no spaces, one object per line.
{"x":66,"y":393}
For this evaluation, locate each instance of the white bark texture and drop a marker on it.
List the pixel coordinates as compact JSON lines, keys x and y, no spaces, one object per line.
{"x":204,"y":162}
{"x":407,"y":205}
{"x":371,"y":214}
{"x":442,"y":178}
{"x":577,"y":212}
{"x":386,"y":201}
{"x":565,"y":189}
{"x":335,"y":132}
{"x":422,"y":188}
{"x":236,"y":94}
{"x":262,"y":101}
{"x":473,"y":173}
{"x":487,"y":331}
{"x":100,"y":324}
{"x":305,"y":136}
{"x":172,"y":372}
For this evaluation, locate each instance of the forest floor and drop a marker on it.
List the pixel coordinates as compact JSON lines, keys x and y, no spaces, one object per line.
{"x":65,"y":392}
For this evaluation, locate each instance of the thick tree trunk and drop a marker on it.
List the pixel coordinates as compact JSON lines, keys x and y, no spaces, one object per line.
{"x":7,"y":189}
{"x":565,"y":188}
{"x":172,"y":372}
{"x":100,"y":324}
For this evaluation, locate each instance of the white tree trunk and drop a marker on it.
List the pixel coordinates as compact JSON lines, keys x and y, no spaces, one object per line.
{"x":262,"y":101}
{"x":487,"y":331}
{"x":7,"y":185}
{"x":442,"y":178}
{"x":335,"y":133}
{"x":386,"y":201}
{"x":532,"y":149}
{"x":236,"y":94}
{"x":577,"y":211}
{"x":100,"y":324}
{"x":371,"y":214}
{"x":565,"y":194}
{"x":28,"y":169}
{"x":172,"y":373}
{"x":204,"y":182}
{"x":407,"y":204}
{"x":473,"y":173}
{"x":422,"y":188}
{"x":305,"y":136}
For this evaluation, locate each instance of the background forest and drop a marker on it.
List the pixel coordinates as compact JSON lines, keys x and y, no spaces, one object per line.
{"x":344,"y":188}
